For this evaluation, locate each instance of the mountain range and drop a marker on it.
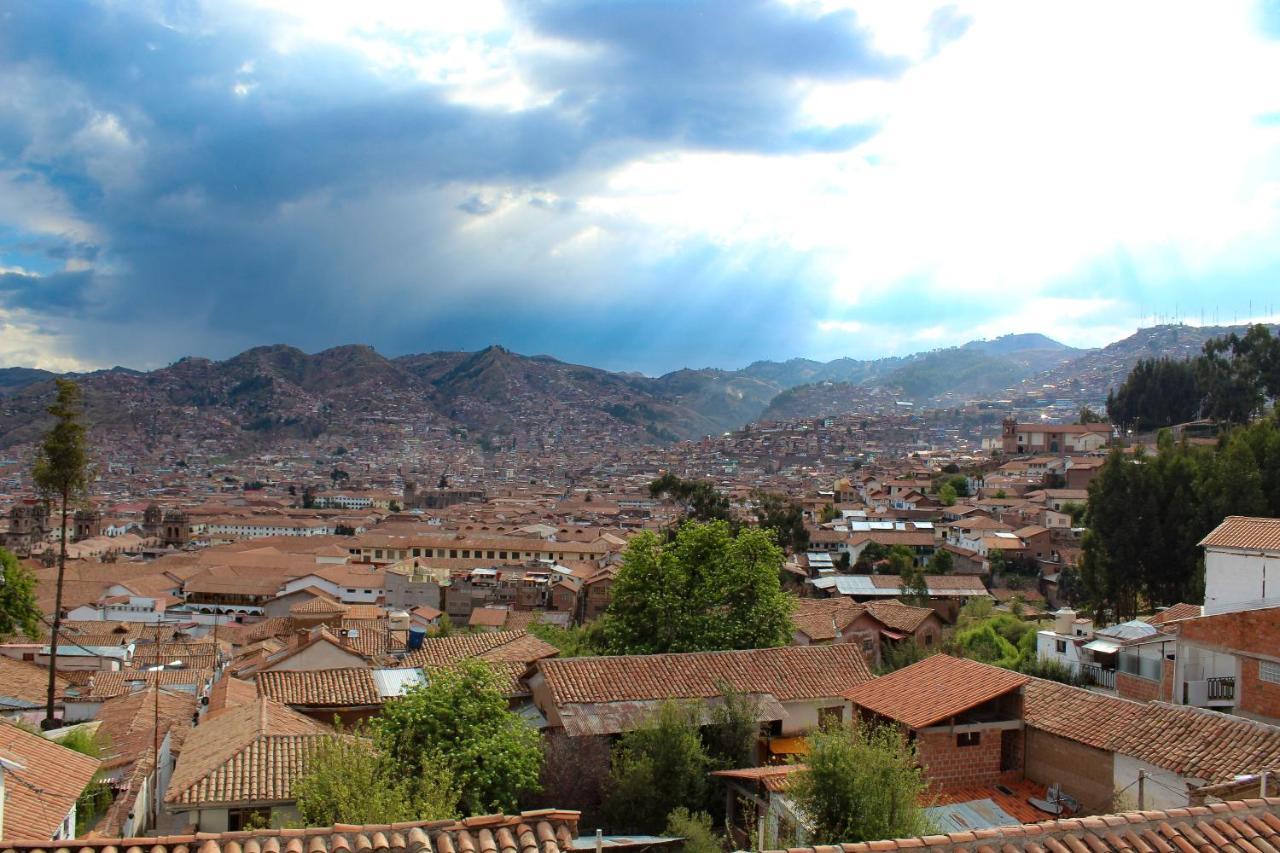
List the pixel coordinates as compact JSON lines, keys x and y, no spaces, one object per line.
{"x":280,"y":391}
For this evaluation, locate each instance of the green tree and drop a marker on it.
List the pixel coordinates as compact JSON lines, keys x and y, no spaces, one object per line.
{"x":61,"y":473}
{"x":459,"y":721}
{"x":1089,"y":416}
{"x":784,"y":517}
{"x":983,"y":643}
{"x":700,"y":499}
{"x":860,"y":783}
{"x":871,"y":554}
{"x":578,"y":641}
{"x":942,"y":562}
{"x":915,"y":587}
{"x":947,"y":494}
{"x":18,"y":608}
{"x":695,"y":829}
{"x":894,"y":656}
{"x":394,"y":506}
{"x":828,"y":513}
{"x":901,"y":560}
{"x":1156,"y":393}
{"x":705,"y":591}
{"x":347,"y":781}
{"x":657,"y":767}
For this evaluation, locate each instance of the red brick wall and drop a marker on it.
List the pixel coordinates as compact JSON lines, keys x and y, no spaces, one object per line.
{"x":1136,"y":688}
{"x":1083,"y":772}
{"x":949,"y":766}
{"x":1255,"y":695}
{"x":1249,"y":630}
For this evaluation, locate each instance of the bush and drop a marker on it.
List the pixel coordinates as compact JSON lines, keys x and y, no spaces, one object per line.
{"x":860,"y":783}
{"x":695,"y":829}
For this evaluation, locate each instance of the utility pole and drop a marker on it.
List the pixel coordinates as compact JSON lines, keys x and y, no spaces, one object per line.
{"x":1142,"y":790}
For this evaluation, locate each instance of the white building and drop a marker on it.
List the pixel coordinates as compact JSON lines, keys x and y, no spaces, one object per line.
{"x":1242,"y":564}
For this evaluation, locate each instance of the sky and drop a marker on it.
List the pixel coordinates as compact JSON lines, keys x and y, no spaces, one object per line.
{"x":633,"y":184}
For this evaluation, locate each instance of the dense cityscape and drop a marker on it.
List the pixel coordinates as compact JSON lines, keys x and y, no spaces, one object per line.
{"x":361,"y":491}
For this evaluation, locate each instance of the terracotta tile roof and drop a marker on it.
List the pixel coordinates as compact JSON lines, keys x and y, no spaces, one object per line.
{"x":822,"y":619}
{"x":1192,"y":742}
{"x":1241,"y":531}
{"x":933,"y":690}
{"x":488,"y":617}
{"x":320,"y":688}
{"x":899,"y":616}
{"x":23,"y":683}
{"x":108,"y":683}
{"x":319,"y":605}
{"x":128,"y":722}
{"x":250,"y":753}
{"x":1175,"y":612}
{"x":1199,"y":743}
{"x":230,"y":692}
{"x":508,"y":646}
{"x":543,"y":831}
{"x":791,"y":673}
{"x":1248,"y":825}
{"x":38,"y":797}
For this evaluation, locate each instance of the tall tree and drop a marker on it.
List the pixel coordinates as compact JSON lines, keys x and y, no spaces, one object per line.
{"x":18,"y":609}
{"x":705,"y":591}
{"x":657,"y":767}
{"x":459,"y":720}
{"x":784,"y":517}
{"x":61,"y":473}
{"x":860,"y":783}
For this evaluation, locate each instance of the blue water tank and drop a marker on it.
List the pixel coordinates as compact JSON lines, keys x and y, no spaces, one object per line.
{"x":416,"y":636}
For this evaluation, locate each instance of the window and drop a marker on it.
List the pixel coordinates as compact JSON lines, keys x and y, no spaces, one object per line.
{"x":1060,"y":646}
{"x":238,"y":819}
{"x":868,"y":645}
{"x":1269,"y":671}
{"x":928,"y":641}
{"x":968,"y":738}
{"x":830,"y":716}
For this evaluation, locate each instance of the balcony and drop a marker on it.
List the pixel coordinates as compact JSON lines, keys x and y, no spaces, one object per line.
{"x":1210,"y":691}
{"x":1095,"y":674}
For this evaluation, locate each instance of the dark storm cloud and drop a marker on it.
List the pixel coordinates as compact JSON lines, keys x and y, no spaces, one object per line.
{"x":230,"y":212}
{"x":714,"y":73}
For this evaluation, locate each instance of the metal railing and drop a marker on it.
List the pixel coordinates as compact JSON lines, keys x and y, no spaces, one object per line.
{"x":1099,"y":676}
{"x":1223,"y":687}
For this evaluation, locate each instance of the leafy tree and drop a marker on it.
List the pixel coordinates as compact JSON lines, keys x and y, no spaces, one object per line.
{"x":942,"y":562}
{"x":1156,"y":393}
{"x":983,"y":643}
{"x":1089,"y":416}
{"x":872,"y":553}
{"x":347,"y":781}
{"x":915,"y":588}
{"x":1050,"y":669}
{"x":657,"y":767}
{"x":705,"y":591}
{"x":1076,"y":510}
{"x":947,"y":494}
{"x":18,"y":608}
{"x":730,"y":736}
{"x":700,"y":499}
{"x":578,"y":641}
{"x":901,"y":560}
{"x":784,"y":517}
{"x":860,"y":783}
{"x":61,"y":473}
{"x":958,"y":483}
{"x":459,"y":721}
{"x":894,"y":656}
{"x":695,"y":829}
{"x":828,"y":513}
{"x":394,"y":506}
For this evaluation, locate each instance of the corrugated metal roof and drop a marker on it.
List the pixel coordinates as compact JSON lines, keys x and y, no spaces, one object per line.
{"x":394,"y":682}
